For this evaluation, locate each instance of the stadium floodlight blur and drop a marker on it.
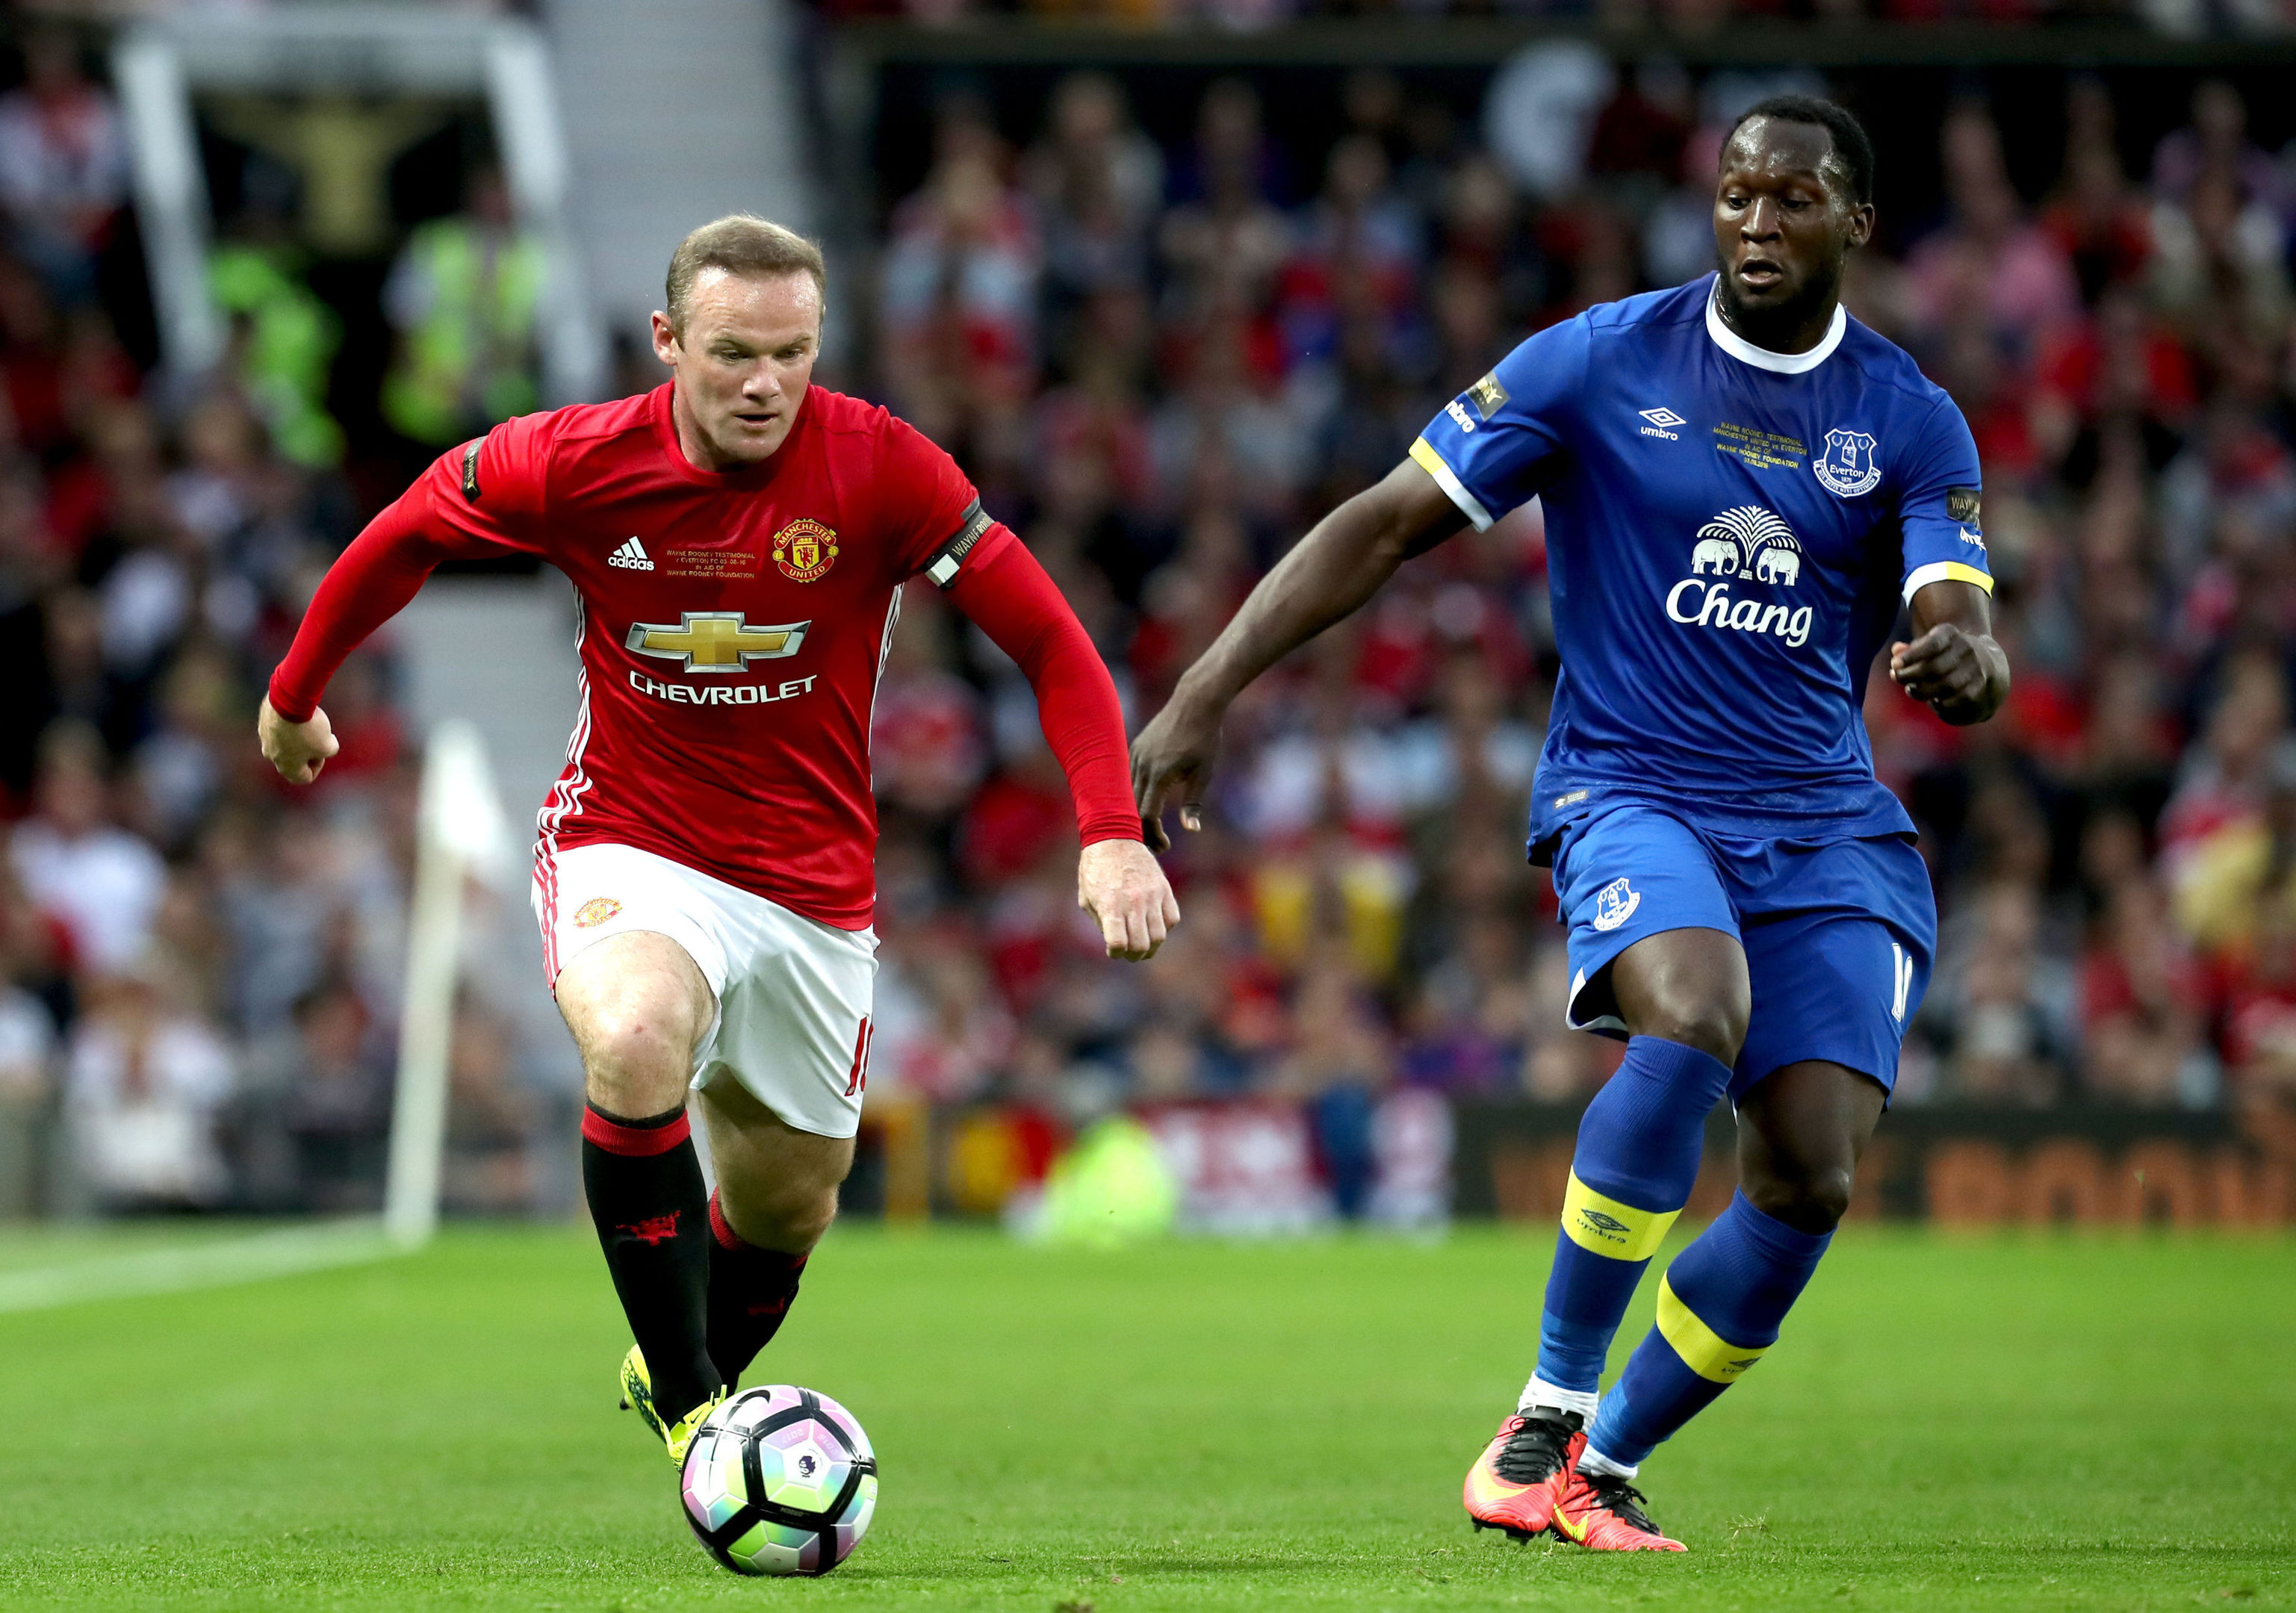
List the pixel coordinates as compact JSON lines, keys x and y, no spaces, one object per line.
{"x":347,"y":49}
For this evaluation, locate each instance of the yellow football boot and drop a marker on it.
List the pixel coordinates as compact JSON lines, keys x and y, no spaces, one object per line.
{"x":637,"y":1396}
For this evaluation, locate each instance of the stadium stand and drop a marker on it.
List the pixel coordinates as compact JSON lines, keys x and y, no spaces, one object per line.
{"x":1160,"y":359}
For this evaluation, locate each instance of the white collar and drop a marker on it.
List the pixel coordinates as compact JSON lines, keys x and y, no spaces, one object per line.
{"x":1783,"y":363}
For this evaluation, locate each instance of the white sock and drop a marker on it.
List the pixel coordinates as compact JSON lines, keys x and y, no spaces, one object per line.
{"x":1538,"y":1392}
{"x":1592,"y":1461}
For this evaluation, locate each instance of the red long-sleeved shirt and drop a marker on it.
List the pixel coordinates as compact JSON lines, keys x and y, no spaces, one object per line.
{"x":733,"y":628}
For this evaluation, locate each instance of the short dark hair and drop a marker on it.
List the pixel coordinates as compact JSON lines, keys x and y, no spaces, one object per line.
{"x":1853,"y":148}
{"x":742,"y":244}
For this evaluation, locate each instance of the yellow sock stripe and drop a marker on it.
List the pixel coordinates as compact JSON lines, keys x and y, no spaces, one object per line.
{"x":1605,"y":1226}
{"x":1703,"y":1351}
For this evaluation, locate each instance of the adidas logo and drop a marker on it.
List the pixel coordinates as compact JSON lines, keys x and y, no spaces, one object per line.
{"x":631,"y":556}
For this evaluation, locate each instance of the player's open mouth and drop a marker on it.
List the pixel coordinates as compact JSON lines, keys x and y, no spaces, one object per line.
{"x":1760,"y":272}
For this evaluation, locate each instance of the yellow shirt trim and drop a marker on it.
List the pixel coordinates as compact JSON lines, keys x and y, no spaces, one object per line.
{"x":1424,"y":456}
{"x":1943,"y":572}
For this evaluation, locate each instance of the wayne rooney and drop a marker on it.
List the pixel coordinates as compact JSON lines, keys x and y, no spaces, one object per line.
{"x":704,"y":872}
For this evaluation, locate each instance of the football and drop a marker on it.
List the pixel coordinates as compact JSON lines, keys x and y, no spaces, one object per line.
{"x":779,"y":1480}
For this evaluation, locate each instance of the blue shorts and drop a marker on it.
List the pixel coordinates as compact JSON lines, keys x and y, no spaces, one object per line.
{"x":1838,"y":934}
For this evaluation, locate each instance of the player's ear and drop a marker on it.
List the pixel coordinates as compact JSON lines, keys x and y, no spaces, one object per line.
{"x":1861,"y":225}
{"x":665,"y":338}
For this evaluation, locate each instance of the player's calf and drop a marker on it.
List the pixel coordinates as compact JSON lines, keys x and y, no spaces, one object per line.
{"x":1636,"y":1160}
{"x":632,"y":1004}
{"x":777,"y":1196}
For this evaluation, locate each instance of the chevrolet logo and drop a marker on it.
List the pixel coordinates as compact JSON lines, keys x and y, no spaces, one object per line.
{"x":715,"y":640}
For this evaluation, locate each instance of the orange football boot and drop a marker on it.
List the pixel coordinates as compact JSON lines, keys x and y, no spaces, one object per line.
{"x":1603,"y":1512}
{"x":1515,"y":1483}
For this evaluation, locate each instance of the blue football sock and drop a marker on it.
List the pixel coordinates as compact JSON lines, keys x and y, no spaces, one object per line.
{"x":1636,"y":1160}
{"x":1719,"y":1305}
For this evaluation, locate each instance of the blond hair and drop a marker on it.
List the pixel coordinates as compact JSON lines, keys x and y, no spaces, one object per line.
{"x":742,"y":244}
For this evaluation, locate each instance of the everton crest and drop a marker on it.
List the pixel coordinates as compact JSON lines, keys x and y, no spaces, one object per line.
{"x":1615,"y":904}
{"x":1848,"y":465}
{"x":804,"y":549}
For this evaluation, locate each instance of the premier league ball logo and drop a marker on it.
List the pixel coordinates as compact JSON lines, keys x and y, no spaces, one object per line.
{"x":1848,"y":465}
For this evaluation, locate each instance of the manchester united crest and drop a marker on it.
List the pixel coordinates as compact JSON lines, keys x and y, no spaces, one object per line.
{"x":596,"y":912}
{"x":804,"y":549}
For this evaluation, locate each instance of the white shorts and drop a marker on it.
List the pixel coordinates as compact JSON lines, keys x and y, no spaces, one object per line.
{"x":795,"y":994}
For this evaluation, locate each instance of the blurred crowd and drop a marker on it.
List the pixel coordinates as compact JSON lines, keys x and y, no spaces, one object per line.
{"x":1686,"y":19}
{"x":201,"y":973}
{"x":1162,"y":364}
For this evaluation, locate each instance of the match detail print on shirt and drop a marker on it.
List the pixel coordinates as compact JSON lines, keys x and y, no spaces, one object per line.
{"x":1763,"y":450}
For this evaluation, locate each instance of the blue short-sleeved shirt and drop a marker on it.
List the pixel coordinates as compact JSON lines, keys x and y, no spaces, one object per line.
{"x":1730,"y":535}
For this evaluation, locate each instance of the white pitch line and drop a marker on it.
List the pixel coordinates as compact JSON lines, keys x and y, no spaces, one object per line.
{"x":166,"y":1271}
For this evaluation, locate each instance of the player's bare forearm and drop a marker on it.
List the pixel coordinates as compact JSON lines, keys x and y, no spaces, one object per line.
{"x":1953,"y":663}
{"x":1329,"y":574}
{"x":1341,"y":562}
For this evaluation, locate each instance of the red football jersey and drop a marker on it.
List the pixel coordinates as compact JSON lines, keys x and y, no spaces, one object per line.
{"x":733,"y":627}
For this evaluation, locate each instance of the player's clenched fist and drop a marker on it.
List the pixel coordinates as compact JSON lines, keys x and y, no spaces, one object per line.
{"x":1120,"y":885}
{"x":1948,"y":669}
{"x":298,"y":749}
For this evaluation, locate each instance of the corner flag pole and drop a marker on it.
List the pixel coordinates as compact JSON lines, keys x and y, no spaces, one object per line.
{"x":460,"y":831}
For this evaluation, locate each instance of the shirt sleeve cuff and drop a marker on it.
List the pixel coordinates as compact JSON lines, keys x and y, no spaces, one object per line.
{"x":288,"y":705}
{"x":1943,"y":572}
{"x":1431,"y":462}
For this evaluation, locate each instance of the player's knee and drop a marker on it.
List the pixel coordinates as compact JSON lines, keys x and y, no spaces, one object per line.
{"x":1715,"y":1027}
{"x":1810,"y":1200}
{"x":811,"y":1222}
{"x":635,"y":1060}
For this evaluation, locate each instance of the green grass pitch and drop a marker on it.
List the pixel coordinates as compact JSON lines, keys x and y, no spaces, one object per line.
{"x":2012,"y":1422}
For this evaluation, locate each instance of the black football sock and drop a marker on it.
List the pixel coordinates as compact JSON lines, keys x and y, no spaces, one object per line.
{"x":751,"y":1291}
{"x":646,"y":1196}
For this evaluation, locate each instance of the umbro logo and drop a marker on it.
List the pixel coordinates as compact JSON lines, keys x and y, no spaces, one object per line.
{"x":631,"y":557}
{"x":1661,"y":421}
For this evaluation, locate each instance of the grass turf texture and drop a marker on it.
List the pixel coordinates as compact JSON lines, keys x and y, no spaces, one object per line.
{"x":2027,"y":1422}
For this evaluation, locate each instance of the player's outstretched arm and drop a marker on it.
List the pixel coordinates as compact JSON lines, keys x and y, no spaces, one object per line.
{"x":369,"y":583}
{"x":1341,"y":562}
{"x":1010,"y":597}
{"x":1953,"y":662}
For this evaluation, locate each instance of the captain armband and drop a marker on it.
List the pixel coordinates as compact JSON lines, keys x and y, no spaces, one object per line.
{"x":943,"y":567}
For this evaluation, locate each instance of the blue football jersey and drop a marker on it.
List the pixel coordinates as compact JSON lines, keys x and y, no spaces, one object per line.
{"x":1730,"y":533}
